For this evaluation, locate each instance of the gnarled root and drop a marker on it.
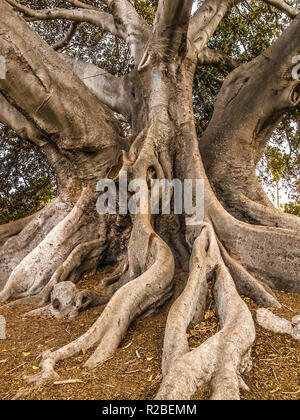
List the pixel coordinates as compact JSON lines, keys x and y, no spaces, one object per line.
{"x":17,"y":247}
{"x":222,"y":358}
{"x":118,"y":272}
{"x":37,"y":268}
{"x":269,"y":254}
{"x":247,"y":285}
{"x":262,"y":214}
{"x":271,"y":322}
{"x":13,"y":228}
{"x":67,"y":300}
{"x":148,"y":290}
{"x":67,"y":271}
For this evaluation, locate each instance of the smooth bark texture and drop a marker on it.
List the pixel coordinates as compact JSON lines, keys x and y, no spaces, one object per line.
{"x":262,"y":90}
{"x":243,"y":246}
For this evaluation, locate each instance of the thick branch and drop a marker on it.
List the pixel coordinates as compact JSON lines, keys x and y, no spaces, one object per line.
{"x":64,"y":42}
{"x":206,"y":20}
{"x":16,"y":121}
{"x":26,"y":130}
{"x":169,"y":37}
{"x":98,"y":18}
{"x":82,"y":5}
{"x":132,"y":27}
{"x":281,"y":5}
{"x":126,"y":13}
{"x":108,"y":88}
{"x":211,"y":57}
{"x":51,"y":93}
{"x":171,"y":25}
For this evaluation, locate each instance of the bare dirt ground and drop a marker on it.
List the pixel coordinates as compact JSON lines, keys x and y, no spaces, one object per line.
{"x":134,"y":371}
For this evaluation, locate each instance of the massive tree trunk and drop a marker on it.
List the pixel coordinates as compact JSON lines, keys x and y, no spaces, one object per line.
{"x":243,"y":245}
{"x":250,"y":104}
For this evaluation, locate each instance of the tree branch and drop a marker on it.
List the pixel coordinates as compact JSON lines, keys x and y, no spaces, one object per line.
{"x":211,"y":57}
{"x":27,"y":130}
{"x":281,"y":5}
{"x":109,"y":89}
{"x":51,"y":93}
{"x":206,"y":20}
{"x":124,"y":21}
{"x":134,"y":29}
{"x":95,"y":17}
{"x":82,"y":5}
{"x":169,"y":36}
{"x":63,"y":42}
{"x":12,"y":118}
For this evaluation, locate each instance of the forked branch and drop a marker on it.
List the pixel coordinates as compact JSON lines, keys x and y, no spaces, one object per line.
{"x":54,"y":96}
{"x":134,"y":29}
{"x":168,"y":41}
{"x":171,"y":24}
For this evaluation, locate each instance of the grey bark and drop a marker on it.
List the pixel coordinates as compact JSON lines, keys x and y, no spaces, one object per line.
{"x":262,"y":90}
{"x":60,"y":109}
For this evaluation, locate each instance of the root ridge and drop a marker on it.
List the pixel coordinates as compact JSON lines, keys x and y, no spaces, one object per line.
{"x":221,"y":359}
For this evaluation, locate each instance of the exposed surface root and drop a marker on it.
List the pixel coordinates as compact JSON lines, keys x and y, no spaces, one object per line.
{"x":190,"y":305}
{"x":118,"y":272}
{"x":271,"y":322}
{"x":141,"y":294}
{"x":126,"y":376}
{"x":46,"y":310}
{"x":67,"y":300}
{"x":247,"y":285}
{"x":269,"y":254}
{"x":266,"y":216}
{"x":19,"y":246}
{"x":223,"y":357}
{"x":67,"y":271}
{"x":37,"y":268}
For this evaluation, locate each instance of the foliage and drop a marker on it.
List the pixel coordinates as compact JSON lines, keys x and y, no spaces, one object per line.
{"x":27,"y":181}
{"x":281,"y":162}
{"x":31,"y":199}
{"x":146,"y":8}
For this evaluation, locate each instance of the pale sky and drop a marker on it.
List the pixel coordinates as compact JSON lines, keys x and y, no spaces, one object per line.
{"x":194,"y":7}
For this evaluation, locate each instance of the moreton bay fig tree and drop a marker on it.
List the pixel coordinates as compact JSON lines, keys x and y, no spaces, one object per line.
{"x":68,"y":108}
